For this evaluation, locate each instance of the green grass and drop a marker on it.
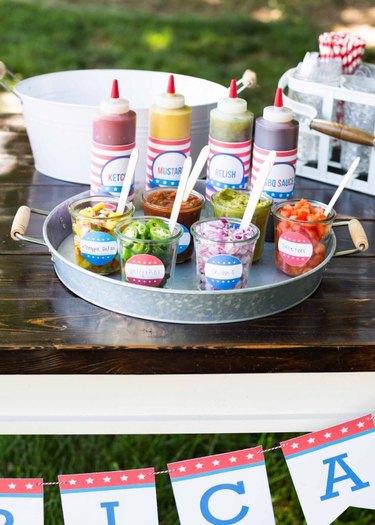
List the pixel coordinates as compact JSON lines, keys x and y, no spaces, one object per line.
{"x":48,"y":456}
{"x":40,"y":37}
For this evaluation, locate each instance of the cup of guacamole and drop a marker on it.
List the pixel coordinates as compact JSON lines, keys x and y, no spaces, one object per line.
{"x":232,"y":203}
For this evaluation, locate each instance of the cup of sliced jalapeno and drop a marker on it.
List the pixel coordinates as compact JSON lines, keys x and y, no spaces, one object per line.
{"x":147,"y":250}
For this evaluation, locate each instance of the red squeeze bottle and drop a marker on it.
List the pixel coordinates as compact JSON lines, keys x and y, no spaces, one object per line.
{"x":113,"y":140}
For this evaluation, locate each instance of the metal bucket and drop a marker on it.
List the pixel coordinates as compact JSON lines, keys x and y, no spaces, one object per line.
{"x":58,"y":109}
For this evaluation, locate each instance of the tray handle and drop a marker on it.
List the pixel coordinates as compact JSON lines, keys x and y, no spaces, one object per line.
{"x":357,"y":234}
{"x":21,"y":222}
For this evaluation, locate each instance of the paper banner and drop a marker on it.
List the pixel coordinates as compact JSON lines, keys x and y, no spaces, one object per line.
{"x":224,"y":489}
{"x":109,"y":498}
{"x":21,"y":501}
{"x":333,"y":469}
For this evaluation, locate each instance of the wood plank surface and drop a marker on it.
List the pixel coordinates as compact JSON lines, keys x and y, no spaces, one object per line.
{"x":46,"y":329}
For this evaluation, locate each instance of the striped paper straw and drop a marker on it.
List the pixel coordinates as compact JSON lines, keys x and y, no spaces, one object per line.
{"x":342,"y":46}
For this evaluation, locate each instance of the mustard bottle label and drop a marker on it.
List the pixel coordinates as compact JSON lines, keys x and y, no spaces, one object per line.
{"x":165,"y":160}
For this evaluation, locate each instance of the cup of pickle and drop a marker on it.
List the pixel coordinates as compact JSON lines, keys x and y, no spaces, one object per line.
{"x":147,"y":250}
{"x":93,"y":221}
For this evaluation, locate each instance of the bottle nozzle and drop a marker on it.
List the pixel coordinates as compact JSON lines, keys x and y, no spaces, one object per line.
{"x":115,"y":91}
{"x":233,"y":89}
{"x":171,"y":89}
{"x":278,"y":103}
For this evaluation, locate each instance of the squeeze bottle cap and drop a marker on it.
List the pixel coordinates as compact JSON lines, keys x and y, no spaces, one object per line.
{"x":232,"y":104}
{"x":114,"y":105}
{"x":277,"y":112}
{"x":170,"y":99}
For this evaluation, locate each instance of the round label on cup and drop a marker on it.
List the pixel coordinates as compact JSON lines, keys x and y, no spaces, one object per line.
{"x":223,"y":272}
{"x":144,"y":269}
{"x":294,"y":248}
{"x":98,"y":248}
{"x":184,"y":241}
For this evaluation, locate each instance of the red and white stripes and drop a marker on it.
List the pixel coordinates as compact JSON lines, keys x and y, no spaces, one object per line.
{"x":108,"y":168}
{"x":344,"y":47}
{"x":228,"y":165}
{"x":165,"y":159}
{"x":280,"y":182}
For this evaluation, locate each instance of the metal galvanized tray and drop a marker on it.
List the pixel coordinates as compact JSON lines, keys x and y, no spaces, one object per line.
{"x":270,"y":291}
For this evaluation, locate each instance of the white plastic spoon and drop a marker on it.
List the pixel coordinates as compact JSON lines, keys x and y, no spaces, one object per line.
{"x":179,"y":194}
{"x":343,"y":183}
{"x":255,"y":193}
{"x":128,"y":181}
{"x":196,"y":171}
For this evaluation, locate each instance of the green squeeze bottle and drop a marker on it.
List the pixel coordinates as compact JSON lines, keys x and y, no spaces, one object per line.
{"x":231,"y":127}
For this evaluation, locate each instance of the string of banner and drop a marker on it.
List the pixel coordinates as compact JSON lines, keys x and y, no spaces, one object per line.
{"x":332,"y":469}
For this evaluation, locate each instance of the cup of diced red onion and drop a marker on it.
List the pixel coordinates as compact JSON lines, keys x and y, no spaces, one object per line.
{"x":224,"y":253}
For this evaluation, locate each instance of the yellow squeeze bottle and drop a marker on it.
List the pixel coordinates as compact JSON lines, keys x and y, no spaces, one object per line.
{"x":169,"y":138}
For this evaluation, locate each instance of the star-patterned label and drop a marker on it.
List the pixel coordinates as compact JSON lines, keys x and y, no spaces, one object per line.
{"x":108,"y":169}
{"x":98,"y":248}
{"x":212,"y":464}
{"x":280,"y":182}
{"x":32,"y":487}
{"x":223,"y":272}
{"x":294,"y":248}
{"x":165,"y":160}
{"x":228,"y":165}
{"x":120,"y":479}
{"x":329,"y":436}
{"x":144,"y":269}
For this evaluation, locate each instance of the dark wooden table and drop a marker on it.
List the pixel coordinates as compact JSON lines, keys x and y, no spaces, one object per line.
{"x":301,"y":365}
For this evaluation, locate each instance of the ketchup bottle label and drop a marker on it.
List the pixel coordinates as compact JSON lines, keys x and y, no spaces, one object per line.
{"x":228,"y":165}
{"x":165,"y":160}
{"x":108,"y":169}
{"x":280,"y":183}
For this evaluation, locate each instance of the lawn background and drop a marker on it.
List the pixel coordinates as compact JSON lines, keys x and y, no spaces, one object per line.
{"x":212,"y":39}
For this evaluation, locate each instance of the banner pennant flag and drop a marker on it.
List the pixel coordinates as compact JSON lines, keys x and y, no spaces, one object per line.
{"x":109,"y":498}
{"x":21,"y":501}
{"x":333,"y":469}
{"x":230,"y":488}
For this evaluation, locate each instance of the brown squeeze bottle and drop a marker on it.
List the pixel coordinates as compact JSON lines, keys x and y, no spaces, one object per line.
{"x":113,"y":140}
{"x":276,"y":130}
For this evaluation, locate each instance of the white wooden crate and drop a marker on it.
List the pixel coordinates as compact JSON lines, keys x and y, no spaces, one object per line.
{"x":327,"y":169}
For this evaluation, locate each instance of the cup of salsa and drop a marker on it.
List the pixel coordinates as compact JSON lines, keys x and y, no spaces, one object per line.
{"x":159,"y":202}
{"x":302,"y":234}
{"x":232,"y":203}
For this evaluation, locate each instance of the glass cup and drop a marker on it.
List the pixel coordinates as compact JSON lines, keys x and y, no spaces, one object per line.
{"x":300,"y":245}
{"x":232,"y":203}
{"x":223,"y":258}
{"x":159,"y":202}
{"x":147,"y":251}
{"x":361,"y":116}
{"x":93,"y":222}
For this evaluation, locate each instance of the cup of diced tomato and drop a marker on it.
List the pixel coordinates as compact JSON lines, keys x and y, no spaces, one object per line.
{"x":302,"y":234}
